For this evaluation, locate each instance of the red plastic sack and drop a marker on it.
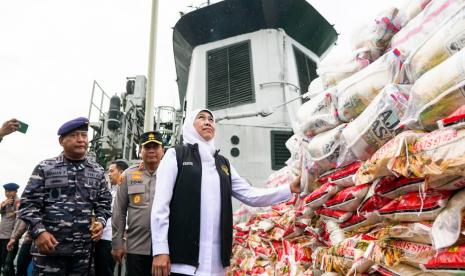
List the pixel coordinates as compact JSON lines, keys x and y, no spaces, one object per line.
{"x":451,"y":259}
{"x":414,"y":207}
{"x":318,"y":197}
{"x":334,"y":215}
{"x":343,"y":177}
{"x":348,"y":199}
{"x":392,"y":187}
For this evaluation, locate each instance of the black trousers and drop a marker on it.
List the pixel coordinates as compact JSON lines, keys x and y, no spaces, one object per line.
{"x":3,"y":252}
{"x":24,"y":258}
{"x":8,"y":266}
{"x":104,"y":263}
{"x":138,"y":265}
{"x":7,"y":258}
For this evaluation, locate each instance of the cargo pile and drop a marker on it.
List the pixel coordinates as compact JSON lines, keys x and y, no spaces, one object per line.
{"x":380,"y":148}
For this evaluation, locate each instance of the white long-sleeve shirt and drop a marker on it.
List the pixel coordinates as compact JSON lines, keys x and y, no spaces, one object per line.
{"x":107,"y":233}
{"x":210,"y":239}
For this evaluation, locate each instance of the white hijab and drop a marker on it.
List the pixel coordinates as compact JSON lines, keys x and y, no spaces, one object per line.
{"x":191,"y":136}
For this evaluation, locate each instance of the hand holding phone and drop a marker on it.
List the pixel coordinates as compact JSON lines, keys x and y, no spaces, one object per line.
{"x":22,"y":127}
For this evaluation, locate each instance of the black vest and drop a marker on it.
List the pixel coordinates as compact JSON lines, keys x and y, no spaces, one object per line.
{"x":184,"y":228}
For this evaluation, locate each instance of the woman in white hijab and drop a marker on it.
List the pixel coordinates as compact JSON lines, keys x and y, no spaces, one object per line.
{"x":191,"y":219}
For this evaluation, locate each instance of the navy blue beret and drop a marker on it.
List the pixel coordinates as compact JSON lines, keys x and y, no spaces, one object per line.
{"x":80,"y":123}
{"x":11,"y":186}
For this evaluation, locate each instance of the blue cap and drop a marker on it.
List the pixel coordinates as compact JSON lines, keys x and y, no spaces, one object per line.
{"x":80,"y":123}
{"x":11,"y":187}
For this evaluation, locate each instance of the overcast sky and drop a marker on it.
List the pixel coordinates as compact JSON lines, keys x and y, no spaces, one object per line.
{"x":51,"y":51}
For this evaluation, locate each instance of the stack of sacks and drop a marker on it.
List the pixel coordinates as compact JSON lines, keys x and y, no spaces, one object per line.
{"x":369,"y":43}
{"x":383,"y":189}
{"x":274,"y":242}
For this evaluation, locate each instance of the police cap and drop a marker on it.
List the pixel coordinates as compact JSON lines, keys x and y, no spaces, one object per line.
{"x":11,"y":187}
{"x":151,"y":137}
{"x":80,"y":123}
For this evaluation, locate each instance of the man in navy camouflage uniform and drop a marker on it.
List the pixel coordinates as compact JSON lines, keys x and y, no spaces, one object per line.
{"x":59,"y":202}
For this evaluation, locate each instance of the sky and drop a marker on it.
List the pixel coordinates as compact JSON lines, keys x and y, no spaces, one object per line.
{"x":51,"y":51}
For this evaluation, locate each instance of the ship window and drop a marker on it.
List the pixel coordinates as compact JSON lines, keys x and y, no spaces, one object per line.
{"x":279,"y":153}
{"x":229,"y":76}
{"x":306,"y":70}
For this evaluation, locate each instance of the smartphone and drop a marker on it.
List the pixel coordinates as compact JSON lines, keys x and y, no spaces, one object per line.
{"x":22,"y":127}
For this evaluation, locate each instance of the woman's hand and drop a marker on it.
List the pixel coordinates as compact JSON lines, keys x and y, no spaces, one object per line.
{"x":161,"y":265}
{"x":295,"y":185}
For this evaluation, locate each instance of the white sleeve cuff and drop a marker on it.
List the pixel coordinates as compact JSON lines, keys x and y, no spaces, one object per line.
{"x":160,"y":248}
{"x":285,"y":192}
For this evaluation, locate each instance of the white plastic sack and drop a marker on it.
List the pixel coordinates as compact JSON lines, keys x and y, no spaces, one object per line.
{"x":323,"y":150}
{"x":447,"y":226}
{"x":413,"y":8}
{"x":376,"y":125}
{"x":318,"y":114}
{"x":424,"y":24}
{"x":331,"y":73}
{"x":314,"y":88}
{"x":355,"y":93}
{"x":377,"y":33}
{"x":437,"y":93}
{"x":445,"y":42}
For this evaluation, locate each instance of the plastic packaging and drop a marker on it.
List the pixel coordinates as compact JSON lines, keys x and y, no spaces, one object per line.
{"x":318,"y":197}
{"x":417,"y":232}
{"x":443,"y":43}
{"x":348,"y":199}
{"x":342,"y":177}
{"x":447,"y":226}
{"x":392,"y":187}
{"x":450,"y":259}
{"x":377,"y":165}
{"x":456,"y":119}
{"x":323,"y":150}
{"x":334,"y":215}
{"x":332,"y":73}
{"x":376,"y":125}
{"x":415,"y":207}
{"x":318,"y":114}
{"x":437,"y":93}
{"x":314,"y":88}
{"x":356,"y":92}
{"x":424,"y":24}
{"x":439,"y":153}
{"x":413,"y":8}
{"x":378,"y":32}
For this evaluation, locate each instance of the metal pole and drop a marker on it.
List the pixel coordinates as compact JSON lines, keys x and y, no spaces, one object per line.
{"x":149,"y":100}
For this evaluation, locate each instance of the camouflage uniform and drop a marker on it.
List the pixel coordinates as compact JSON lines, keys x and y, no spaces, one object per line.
{"x":61,"y":197}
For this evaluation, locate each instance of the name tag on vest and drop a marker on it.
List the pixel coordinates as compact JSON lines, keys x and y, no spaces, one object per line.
{"x":187,"y":163}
